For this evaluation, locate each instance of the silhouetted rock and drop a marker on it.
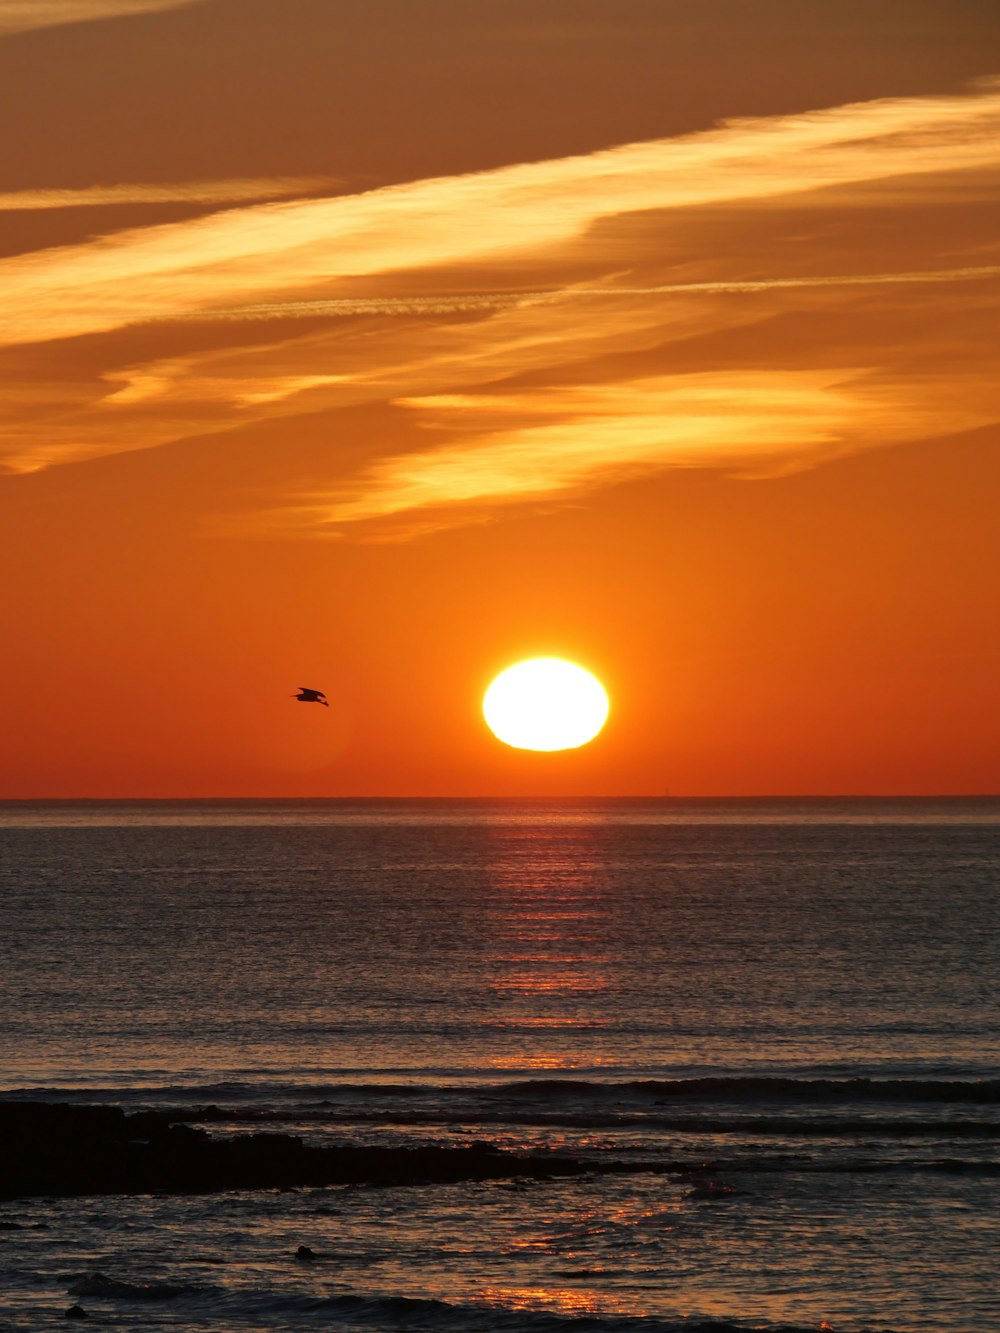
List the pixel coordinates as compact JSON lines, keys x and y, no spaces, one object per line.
{"x":305,"y":1254}
{"x":57,"y":1149}
{"x":77,"y":1312}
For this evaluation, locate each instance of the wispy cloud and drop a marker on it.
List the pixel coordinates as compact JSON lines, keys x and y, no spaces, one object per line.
{"x":23,"y":15}
{"x":175,"y":271}
{"x":532,"y":332}
{"x":754,"y":423}
{"x":610,"y":432}
{"x":168,"y":381}
{"x":181,"y":192}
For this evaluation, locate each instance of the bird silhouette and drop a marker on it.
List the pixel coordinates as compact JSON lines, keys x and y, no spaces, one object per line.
{"x":308,"y":696}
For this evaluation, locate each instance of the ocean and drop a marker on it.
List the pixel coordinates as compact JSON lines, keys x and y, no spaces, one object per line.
{"x":764,"y":1032}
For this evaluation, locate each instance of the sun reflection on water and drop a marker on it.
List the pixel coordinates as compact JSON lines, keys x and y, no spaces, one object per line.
{"x":575,"y":1301}
{"x":556,"y":1061}
{"x":548,"y":1021}
{"x":548,"y":932}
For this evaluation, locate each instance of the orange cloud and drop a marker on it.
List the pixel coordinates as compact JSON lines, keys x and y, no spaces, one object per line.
{"x":179,"y":270}
{"x":182,"y":192}
{"x":23,"y":15}
{"x":753,"y":423}
{"x":557,"y":325}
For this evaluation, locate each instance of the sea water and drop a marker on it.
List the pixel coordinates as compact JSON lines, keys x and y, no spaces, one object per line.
{"x":791,"y":1006}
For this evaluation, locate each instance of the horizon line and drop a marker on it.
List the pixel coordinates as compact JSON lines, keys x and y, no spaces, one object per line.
{"x":529,"y":796}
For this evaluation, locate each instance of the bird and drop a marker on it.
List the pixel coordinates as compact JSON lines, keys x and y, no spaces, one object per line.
{"x":308,"y":696}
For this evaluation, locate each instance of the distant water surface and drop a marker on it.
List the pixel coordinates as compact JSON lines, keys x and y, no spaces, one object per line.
{"x":437,"y":811}
{"x":800,"y":993}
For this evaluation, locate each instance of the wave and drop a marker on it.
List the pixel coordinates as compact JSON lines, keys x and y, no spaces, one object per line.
{"x":107,"y":1288}
{"x":771,"y":1088}
{"x":717,"y":1089}
{"x":384,"y":1312}
{"x":403,"y":1312}
{"x":768,"y":1126}
{"x":59,"y":1150}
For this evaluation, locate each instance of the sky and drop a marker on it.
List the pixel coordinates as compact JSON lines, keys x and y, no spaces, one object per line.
{"x":375,"y":345}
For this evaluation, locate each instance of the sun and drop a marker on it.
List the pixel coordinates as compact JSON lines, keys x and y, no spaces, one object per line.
{"x":545,"y":704}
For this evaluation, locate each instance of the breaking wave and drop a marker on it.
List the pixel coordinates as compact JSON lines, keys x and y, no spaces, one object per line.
{"x":385,"y":1312}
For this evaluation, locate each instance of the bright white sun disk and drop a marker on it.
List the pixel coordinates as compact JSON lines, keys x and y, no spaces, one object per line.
{"x":545,"y":704}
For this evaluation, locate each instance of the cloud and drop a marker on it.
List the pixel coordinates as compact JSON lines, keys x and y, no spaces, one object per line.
{"x":609,"y":432}
{"x":182,"y":192}
{"x":354,"y":364}
{"x":176,"y":271}
{"x":754,"y":298}
{"x":24,"y":15}
{"x":142,"y":386}
{"x":753,"y":423}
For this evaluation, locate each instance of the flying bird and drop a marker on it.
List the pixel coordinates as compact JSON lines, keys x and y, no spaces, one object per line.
{"x":308,"y":696}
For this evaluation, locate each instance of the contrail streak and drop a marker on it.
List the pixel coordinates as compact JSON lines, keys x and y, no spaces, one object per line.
{"x":473,"y":301}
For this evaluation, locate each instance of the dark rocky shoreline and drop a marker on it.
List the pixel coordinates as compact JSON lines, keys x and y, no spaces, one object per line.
{"x":56,"y":1149}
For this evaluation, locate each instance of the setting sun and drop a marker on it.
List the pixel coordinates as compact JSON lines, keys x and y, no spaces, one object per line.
{"x":545,"y":704}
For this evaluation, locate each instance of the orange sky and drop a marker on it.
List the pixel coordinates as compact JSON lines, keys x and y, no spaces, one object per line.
{"x":374,"y":346}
